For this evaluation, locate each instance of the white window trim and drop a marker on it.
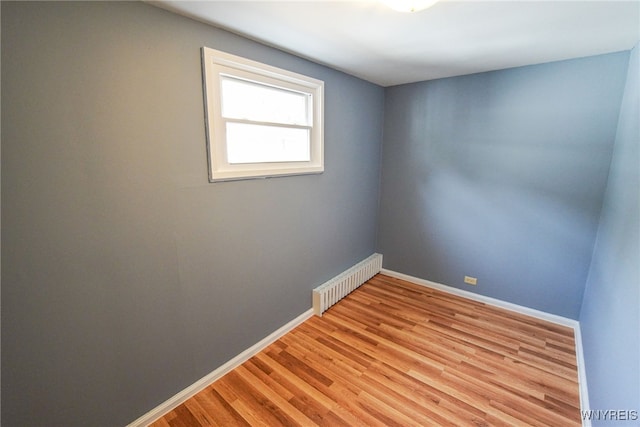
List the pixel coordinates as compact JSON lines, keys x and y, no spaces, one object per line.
{"x":217,"y":63}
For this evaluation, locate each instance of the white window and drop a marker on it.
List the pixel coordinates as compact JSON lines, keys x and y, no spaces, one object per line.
{"x":261,"y":121}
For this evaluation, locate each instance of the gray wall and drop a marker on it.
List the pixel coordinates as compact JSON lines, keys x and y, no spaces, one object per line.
{"x":610,"y":316}
{"x":126,"y":276}
{"x":501,"y":176}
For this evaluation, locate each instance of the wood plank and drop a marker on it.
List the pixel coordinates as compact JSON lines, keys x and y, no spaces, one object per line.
{"x":221,"y":412}
{"x":394,"y":353}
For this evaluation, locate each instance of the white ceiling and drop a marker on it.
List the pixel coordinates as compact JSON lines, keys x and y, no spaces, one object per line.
{"x":367,"y":39}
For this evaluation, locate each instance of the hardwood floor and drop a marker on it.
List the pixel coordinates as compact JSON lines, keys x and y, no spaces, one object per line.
{"x":396,"y":354}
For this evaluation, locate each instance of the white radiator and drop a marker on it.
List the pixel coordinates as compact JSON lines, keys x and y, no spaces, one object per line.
{"x":332,"y":291}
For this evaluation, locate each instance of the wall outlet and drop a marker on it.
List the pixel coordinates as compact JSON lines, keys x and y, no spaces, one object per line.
{"x":470,"y":280}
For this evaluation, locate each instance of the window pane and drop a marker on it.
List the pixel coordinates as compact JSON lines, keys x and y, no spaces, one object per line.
{"x":248,"y":143}
{"x":256,"y":102}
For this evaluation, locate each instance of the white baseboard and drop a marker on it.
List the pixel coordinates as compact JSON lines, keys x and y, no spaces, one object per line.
{"x":210,"y":378}
{"x":564,"y":321}
{"x":560,"y":320}
{"x":582,"y":375}
{"x":238,"y":360}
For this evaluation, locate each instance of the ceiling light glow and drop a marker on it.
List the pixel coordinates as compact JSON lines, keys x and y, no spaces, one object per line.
{"x":409,"y":5}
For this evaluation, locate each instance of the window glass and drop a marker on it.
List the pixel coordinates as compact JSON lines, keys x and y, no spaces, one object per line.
{"x":249,"y":143}
{"x":258,"y":102}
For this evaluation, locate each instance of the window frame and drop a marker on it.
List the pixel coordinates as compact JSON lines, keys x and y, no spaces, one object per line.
{"x":217,"y":64}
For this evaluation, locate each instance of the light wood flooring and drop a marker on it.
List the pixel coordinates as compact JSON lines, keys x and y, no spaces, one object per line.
{"x":396,"y":354}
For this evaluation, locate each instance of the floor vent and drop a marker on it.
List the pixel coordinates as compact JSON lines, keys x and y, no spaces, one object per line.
{"x":329,"y":293}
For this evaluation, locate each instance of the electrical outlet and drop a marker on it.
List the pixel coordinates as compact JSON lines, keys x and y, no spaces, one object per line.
{"x":470,"y":280}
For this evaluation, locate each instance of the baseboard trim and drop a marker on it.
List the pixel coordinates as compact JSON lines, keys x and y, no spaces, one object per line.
{"x":582,"y":376}
{"x":560,"y":320}
{"x":238,"y":360}
{"x":210,"y":378}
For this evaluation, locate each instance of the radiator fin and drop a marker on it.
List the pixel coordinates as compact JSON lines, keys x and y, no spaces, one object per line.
{"x":332,"y":291}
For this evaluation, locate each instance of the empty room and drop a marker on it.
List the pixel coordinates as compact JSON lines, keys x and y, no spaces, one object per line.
{"x":309,"y":213}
